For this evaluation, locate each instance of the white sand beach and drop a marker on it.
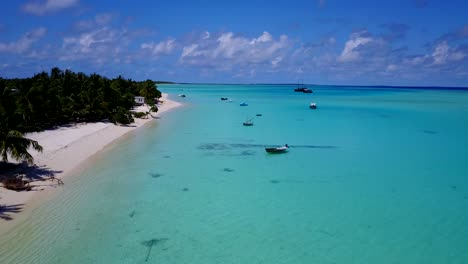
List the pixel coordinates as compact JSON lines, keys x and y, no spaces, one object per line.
{"x":65,"y":148}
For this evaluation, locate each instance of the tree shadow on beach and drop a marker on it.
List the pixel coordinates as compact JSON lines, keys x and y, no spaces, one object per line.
{"x":39,"y":173}
{"x":7,"y":210}
{"x":23,"y":177}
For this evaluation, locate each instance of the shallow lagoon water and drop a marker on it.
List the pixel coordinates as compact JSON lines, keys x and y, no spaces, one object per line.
{"x":374,"y":175}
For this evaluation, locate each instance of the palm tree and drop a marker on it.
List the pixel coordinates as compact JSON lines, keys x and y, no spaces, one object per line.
{"x":13,"y":143}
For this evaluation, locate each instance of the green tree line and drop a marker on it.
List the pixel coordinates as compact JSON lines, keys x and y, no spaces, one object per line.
{"x":62,"y":97}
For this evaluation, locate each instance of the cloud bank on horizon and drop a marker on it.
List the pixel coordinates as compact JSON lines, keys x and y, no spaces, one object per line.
{"x":389,"y":43}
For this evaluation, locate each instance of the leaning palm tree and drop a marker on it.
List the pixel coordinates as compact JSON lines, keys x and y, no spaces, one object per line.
{"x":13,"y":143}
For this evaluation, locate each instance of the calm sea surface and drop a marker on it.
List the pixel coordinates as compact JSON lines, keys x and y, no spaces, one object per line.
{"x":374,"y":175}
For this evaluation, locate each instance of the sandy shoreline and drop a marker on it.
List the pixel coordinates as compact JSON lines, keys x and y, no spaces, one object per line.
{"x":64,"y":149}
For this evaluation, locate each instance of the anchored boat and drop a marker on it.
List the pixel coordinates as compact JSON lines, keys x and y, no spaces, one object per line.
{"x":277,"y":149}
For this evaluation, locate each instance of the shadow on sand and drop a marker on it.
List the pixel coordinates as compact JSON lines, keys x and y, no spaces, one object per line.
{"x":22,"y":177}
{"x":32,"y":172}
{"x":7,"y":210}
{"x":39,"y":173}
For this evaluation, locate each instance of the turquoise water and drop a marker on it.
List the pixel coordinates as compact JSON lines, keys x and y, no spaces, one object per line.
{"x":373,"y":175}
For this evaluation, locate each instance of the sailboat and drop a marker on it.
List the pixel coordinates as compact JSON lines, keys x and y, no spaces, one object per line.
{"x":248,"y":122}
{"x":302,"y":88}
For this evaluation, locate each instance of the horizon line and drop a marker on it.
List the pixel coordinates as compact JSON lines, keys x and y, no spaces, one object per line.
{"x":331,"y":85}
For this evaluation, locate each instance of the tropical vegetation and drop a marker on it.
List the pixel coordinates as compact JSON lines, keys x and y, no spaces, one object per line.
{"x":62,"y":97}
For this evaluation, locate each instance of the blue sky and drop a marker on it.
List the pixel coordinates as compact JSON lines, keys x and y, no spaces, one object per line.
{"x":399,"y":42}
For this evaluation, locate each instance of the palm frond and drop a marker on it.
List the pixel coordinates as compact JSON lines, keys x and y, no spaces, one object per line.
{"x":16,"y":145}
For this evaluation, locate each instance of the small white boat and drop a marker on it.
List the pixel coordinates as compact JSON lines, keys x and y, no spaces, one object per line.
{"x":313,"y":106}
{"x":277,"y":149}
{"x":181,"y":95}
{"x":248,"y":123}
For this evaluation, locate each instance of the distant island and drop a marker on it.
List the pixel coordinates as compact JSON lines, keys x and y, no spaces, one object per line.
{"x":164,"y":82}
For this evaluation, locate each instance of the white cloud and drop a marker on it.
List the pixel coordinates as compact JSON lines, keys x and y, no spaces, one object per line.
{"x":85,"y":42}
{"x":206,"y":35}
{"x":416,"y":60}
{"x":162,"y":48}
{"x":99,"y":20}
{"x":350,"y":52}
{"x":104,"y":18}
{"x":190,"y":51}
{"x":443,"y":53}
{"x":99,"y":45}
{"x":24,"y":43}
{"x":458,"y":55}
{"x":229,"y":50}
{"x":275,"y":62}
{"x":47,"y":6}
{"x":265,"y":37}
{"x":228,"y":45}
{"x":392,"y":67}
{"x":331,"y":41}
